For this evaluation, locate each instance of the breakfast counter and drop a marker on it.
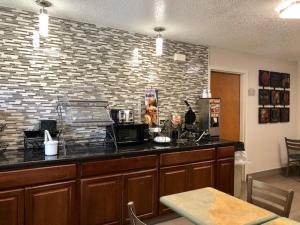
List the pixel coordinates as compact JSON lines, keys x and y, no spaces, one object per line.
{"x":86,"y":182}
{"x":13,"y":159}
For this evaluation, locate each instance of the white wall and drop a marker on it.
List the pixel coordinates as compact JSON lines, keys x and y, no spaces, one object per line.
{"x":264,"y":143}
{"x":298,"y":99}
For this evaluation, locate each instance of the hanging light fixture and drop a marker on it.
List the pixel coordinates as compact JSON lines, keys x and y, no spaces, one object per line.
{"x":43,"y":17}
{"x":159,"y":41}
{"x":289,"y":9}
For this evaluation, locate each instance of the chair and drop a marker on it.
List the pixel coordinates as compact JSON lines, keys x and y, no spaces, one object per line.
{"x":269,"y":197}
{"x":134,"y":220}
{"x":293,"y":153}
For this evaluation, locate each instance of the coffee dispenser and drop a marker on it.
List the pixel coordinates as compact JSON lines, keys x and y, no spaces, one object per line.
{"x":208,"y":118}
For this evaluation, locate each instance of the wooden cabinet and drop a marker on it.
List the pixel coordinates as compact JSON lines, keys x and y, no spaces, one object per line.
{"x":172,"y":180}
{"x":225,"y":169}
{"x":141,"y":188}
{"x":97,"y":192}
{"x":178,"y":179}
{"x":225,"y":175}
{"x":101,"y":200}
{"x":12,"y":207}
{"x":52,"y":204}
{"x":201,"y":175}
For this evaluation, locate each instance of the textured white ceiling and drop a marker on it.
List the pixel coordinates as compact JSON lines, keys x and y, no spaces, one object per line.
{"x":245,"y":25}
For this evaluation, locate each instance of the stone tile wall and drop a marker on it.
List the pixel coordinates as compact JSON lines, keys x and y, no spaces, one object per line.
{"x":81,"y":60}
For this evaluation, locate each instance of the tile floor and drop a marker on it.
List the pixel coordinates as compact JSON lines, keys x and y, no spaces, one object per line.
{"x":292,"y":182}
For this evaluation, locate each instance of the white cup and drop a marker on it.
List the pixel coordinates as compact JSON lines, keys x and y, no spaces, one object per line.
{"x":51,"y":148}
{"x":50,"y":145}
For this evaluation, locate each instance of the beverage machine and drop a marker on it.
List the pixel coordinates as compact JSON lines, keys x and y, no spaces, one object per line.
{"x":208,"y":110}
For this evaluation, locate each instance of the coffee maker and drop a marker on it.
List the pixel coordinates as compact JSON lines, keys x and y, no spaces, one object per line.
{"x":209,"y":111}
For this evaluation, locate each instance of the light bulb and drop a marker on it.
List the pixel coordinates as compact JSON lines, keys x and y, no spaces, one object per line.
{"x":43,"y":22}
{"x":289,"y":9}
{"x":159,"y":45}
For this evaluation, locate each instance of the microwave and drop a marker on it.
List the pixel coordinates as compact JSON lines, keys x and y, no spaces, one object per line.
{"x":130,"y":134}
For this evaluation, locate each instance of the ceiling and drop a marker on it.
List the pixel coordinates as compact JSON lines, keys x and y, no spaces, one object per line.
{"x":250,"y":26}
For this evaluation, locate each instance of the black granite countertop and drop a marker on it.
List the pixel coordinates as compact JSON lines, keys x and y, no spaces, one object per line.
{"x":13,"y":159}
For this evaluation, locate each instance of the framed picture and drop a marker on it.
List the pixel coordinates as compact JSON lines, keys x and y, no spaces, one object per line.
{"x":285,"y":98}
{"x":264,"y":78}
{"x":263,"y":115}
{"x":275,"y":97}
{"x":264,"y":97}
{"x":275,"y":79}
{"x":285,"y":80}
{"x":285,"y":115}
{"x":275,"y":115}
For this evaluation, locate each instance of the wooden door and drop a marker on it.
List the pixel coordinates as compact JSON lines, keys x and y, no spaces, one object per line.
{"x":141,"y":188}
{"x":12,"y":207}
{"x":172,"y":180}
{"x":201,"y":175}
{"x":101,"y":200}
{"x":227,"y":87}
{"x":225,"y":175}
{"x":52,"y":204}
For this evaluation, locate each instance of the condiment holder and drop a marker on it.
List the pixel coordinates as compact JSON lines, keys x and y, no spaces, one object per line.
{"x":50,"y":145}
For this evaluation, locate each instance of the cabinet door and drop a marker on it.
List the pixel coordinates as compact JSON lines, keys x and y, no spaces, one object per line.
{"x":12,"y":207}
{"x":225,"y":175}
{"x":172,"y":180}
{"x":201,"y":175}
{"x":52,"y":204}
{"x":101,"y":200}
{"x":141,"y":188}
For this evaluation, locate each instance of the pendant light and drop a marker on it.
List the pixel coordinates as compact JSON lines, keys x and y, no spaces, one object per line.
{"x":289,"y":9}
{"x":159,"y":41}
{"x":43,"y":17}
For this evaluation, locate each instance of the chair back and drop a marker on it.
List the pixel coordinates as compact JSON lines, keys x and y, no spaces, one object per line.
{"x":269,"y":197}
{"x":292,"y":146}
{"x":134,"y":220}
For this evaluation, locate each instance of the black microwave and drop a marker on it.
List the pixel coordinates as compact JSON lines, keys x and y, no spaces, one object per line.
{"x":127,"y":134}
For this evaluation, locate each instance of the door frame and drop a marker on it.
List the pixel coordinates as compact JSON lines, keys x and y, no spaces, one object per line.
{"x":243,"y":95}
{"x":243,"y":102}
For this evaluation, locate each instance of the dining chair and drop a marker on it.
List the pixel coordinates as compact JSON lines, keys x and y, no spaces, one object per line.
{"x":269,"y":197}
{"x":134,"y":220}
{"x":293,"y":153}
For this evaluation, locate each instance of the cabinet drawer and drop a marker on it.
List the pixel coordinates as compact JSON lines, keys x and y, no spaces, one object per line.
{"x":174,"y":158}
{"x":33,"y":176}
{"x":118,"y":165}
{"x":225,"y":152}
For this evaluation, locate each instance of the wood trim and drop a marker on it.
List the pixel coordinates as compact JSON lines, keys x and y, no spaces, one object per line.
{"x":175,"y":158}
{"x":267,"y":196}
{"x":265,"y":173}
{"x":18,"y":197}
{"x":85,"y":198}
{"x":49,"y":191}
{"x":224,"y":152}
{"x":138,"y":175}
{"x":118,"y":165}
{"x":34,"y":176}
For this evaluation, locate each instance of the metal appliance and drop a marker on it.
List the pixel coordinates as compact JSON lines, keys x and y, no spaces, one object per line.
{"x":209,"y":111}
{"x":121,"y":116}
{"x":129,"y":134}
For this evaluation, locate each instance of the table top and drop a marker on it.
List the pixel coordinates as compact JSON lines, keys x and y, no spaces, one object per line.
{"x":282,"y":221}
{"x":208,"y":206}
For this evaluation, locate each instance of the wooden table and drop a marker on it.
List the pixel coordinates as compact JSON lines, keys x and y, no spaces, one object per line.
{"x":281,"y":221}
{"x":208,"y":206}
